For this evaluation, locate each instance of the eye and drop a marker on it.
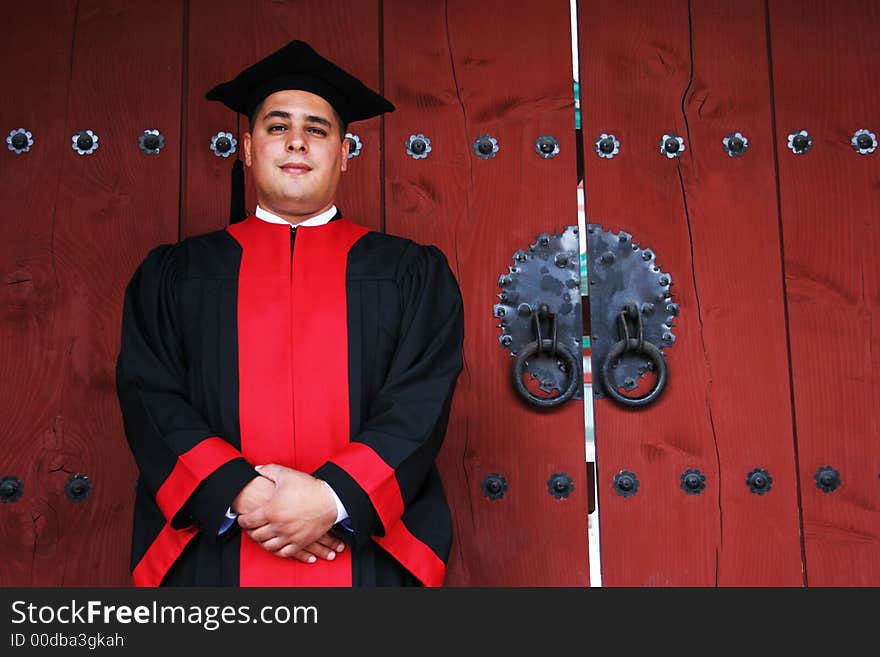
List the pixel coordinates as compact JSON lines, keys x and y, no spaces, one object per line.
{"x":318,"y":131}
{"x":273,"y":128}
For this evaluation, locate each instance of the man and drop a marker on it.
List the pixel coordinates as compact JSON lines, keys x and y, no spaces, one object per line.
{"x":286,"y":383}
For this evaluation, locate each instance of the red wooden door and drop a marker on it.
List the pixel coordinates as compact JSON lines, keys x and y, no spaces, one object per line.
{"x":776,"y":352}
{"x":74,"y":228}
{"x":824,"y":57}
{"x":698,"y":70}
{"x":77,"y":226}
{"x":459,"y":70}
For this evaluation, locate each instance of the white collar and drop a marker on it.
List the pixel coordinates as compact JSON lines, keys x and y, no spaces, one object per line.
{"x":317,"y":220}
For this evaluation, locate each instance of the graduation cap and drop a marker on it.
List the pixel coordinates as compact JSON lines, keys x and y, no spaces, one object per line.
{"x":295,"y":66}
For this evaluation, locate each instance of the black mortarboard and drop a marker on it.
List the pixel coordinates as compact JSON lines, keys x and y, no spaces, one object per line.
{"x":298,"y":66}
{"x":295,"y":66}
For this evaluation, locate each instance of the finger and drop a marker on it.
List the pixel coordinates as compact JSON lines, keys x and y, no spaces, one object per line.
{"x":335,"y":537}
{"x":321,"y":551}
{"x":271,"y":471}
{"x":291,"y":551}
{"x":329,"y":541}
{"x":254,"y":519}
{"x":263,"y":534}
{"x":273,"y":544}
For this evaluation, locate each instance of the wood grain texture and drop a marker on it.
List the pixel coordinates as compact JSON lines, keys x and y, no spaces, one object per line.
{"x":737,"y":272}
{"x":30,"y":301}
{"x":824,"y":58}
{"x":85,"y":223}
{"x":697,"y":70}
{"x":458,"y":70}
{"x":224,"y":37}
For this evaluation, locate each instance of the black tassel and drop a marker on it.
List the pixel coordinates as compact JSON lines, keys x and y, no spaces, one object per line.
{"x":237,"y":211}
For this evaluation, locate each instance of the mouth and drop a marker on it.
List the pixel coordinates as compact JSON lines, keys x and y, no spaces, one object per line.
{"x":295,"y":169}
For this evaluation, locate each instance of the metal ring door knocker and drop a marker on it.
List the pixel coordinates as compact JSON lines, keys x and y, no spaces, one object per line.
{"x":552,"y":347}
{"x":632,"y":316}
{"x":637,"y":345}
{"x":540,"y":319}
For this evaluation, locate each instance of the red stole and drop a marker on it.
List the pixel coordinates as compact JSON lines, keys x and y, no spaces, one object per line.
{"x":293,"y":368}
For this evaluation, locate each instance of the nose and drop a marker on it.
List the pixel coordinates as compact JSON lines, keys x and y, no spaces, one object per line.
{"x":296,"y":140}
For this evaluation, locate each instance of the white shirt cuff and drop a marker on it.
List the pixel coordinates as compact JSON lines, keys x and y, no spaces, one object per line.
{"x":228,"y":521}
{"x":341,"y":513}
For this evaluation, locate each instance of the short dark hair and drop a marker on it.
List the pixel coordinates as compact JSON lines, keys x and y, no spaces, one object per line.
{"x":343,"y":127}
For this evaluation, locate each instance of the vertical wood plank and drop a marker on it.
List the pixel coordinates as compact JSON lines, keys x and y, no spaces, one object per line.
{"x":738,"y":302}
{"x":118,"y":75}
{"x":635,"y":69}
{"x":649,"y":69}
{"x":225,"y":37}
{"x":458,"y":70}
{"x":30,"y":292}
{"x":125,"y":79}
{"x":824,"y":59}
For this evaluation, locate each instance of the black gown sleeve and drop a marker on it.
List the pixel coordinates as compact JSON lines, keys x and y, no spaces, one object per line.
{"x":192,"y":474}
{"x":384,"y":467}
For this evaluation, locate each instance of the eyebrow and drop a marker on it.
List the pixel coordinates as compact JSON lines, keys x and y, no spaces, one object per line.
{"x":310,"y":118}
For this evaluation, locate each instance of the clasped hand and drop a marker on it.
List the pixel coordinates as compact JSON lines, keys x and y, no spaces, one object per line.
{"x":289,"y":513}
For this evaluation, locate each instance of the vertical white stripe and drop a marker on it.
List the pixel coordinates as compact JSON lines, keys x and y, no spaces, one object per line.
{"x":589,"y":426}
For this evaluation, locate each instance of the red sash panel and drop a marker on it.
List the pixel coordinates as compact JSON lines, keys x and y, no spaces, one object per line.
{"x":293,"y":368}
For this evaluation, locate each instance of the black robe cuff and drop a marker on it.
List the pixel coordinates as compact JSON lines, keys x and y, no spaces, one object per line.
{"x":208,"y":504}
{"x":364,"y":519}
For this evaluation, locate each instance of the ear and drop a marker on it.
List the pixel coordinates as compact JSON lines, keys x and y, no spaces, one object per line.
{"x":246,"y":147}
{"x":346,"y":142}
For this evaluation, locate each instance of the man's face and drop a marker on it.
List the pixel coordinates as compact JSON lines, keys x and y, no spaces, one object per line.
{"x":296,"y":153}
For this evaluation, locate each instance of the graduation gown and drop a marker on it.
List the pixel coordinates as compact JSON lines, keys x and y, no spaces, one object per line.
{"x":335,"y":353}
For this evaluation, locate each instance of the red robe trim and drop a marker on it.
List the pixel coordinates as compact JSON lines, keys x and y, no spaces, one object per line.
{"x":161,"y":555}
{"x":379,"y":482}
{"x":377,"y":479}
{"x":417,"y":557}
{"x":190,"y":470}
{"x":293,"y":368}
